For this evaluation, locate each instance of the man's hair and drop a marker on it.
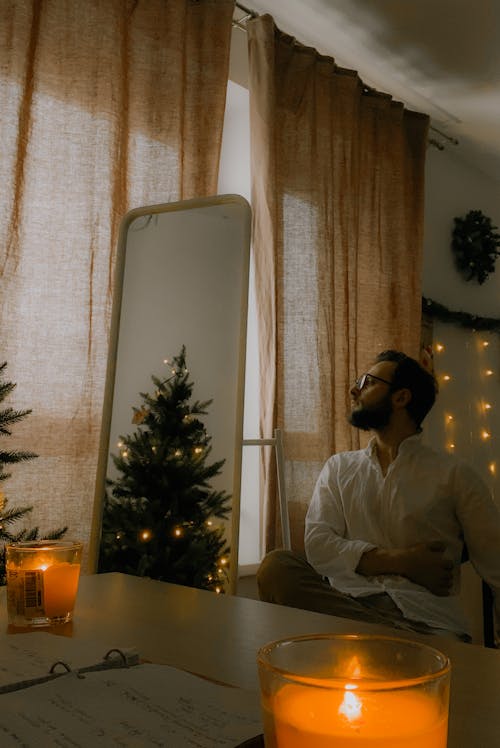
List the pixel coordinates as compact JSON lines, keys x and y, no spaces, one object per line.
{"x":409,"y":374}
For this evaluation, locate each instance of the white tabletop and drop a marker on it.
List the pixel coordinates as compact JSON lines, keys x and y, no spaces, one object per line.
{"x":217,"y":636}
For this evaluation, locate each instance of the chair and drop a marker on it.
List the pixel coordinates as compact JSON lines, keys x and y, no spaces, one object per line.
{"x":277,"y":443}
{"x":477,"y":598}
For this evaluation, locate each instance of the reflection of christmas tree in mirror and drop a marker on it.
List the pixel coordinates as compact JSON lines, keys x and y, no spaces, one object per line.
{"x":160,"y":513}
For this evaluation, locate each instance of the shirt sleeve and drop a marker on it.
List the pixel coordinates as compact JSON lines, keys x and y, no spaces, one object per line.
{"x":327,"y":548}
{"x":479,"y":517}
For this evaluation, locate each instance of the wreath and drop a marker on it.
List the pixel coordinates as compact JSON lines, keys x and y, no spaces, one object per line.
{"x":475,"y":245}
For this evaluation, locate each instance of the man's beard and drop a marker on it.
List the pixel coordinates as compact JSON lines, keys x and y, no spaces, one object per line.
{"x":375,"y":417}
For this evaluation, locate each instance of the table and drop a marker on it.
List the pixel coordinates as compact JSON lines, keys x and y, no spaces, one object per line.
{"x":217,"y":636}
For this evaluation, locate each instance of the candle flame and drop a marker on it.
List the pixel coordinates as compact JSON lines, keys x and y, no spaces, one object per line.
{"x":351,"y":704}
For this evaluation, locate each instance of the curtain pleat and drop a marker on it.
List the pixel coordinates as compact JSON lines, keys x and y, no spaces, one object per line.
{"x":104,"y":106}
{"x":337,"y":196}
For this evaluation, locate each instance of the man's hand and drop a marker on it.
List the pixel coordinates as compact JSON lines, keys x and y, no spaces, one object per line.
{"x":424,"y":564}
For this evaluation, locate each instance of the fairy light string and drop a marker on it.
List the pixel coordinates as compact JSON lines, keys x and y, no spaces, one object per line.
{"x":467,"y":372}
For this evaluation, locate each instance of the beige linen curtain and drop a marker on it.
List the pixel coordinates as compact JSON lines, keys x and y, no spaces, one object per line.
{"x":105,"y":105}
{"x":337,"y":196}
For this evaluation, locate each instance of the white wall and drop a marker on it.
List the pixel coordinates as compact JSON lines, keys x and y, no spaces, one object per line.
{"x":453,"y":188}
{"x":460,"y":419}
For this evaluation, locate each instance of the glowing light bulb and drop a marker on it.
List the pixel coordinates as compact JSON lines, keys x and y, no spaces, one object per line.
{"x":485,"y":344}
{"x":218,"y":590}
{"x":446,"y":377}
{"x":449,"y":418}
{"x":487,"y":406}
{"x":485,"y":434}
{"x":209,"y":522}
{"x":488,"y":372}
{"x":119,"y":445}
{"x":178,"y":532}
{"x":198,"y":450}
{"x":178,"y":453}
{"x":492,"y":467}
{"x":146,"y":535}
{"x":451,"y":446}
{"x":439,"y":347}
{"x":223,"y":561}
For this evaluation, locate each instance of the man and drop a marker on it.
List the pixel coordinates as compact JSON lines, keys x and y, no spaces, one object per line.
{"x":386,"y":526}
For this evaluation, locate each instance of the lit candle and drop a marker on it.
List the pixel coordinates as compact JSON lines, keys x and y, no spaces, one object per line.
{"x":328,"y":691}
{"x":42,"y":581}
{"x":322,"y":718}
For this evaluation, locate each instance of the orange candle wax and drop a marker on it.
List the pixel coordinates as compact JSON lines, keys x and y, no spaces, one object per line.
{"x":60,"y":584}
{"x":301,"y":717}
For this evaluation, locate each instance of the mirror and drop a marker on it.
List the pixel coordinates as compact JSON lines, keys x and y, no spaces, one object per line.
{"x":181,"y":280}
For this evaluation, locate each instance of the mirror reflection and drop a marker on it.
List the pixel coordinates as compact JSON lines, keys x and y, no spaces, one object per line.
{"x":172,"y":434}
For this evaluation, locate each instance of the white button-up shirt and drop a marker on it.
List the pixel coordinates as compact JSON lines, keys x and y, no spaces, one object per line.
{"x":424,"y":496}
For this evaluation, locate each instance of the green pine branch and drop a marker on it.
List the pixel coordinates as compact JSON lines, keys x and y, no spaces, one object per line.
{"x":9,"y":516}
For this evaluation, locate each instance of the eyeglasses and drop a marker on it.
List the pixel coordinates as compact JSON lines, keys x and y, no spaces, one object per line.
{"x":361,"y":381}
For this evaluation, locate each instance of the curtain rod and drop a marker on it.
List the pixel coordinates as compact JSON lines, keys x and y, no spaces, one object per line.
{"x":249,"y":14}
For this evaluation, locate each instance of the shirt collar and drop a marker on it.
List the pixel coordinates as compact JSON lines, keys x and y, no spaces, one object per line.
{"x":407,"y":446}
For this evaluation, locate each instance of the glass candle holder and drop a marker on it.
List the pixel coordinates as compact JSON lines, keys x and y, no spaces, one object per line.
{"x":353,"y":691}
{"x":42,"y":581}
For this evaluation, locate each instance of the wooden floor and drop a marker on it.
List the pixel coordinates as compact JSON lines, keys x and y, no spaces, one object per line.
{"x":247,"y":587}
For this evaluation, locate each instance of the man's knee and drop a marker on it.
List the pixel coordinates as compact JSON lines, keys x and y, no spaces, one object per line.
{"x":278,"y":576}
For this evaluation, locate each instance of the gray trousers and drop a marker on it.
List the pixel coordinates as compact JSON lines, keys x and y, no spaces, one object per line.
{"x":286,"y":578}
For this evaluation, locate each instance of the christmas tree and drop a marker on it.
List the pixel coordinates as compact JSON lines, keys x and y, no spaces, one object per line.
{"x":159,"y":513}
{"x":10,"y":516}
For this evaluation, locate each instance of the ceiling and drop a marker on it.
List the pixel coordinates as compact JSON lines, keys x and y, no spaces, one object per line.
{"x":441,"y":57}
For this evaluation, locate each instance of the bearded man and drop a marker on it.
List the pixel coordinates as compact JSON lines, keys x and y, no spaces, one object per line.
{"x":387,"y":525}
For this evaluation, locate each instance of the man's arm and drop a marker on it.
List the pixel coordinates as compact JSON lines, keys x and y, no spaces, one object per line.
{"x":424,"y":564}
{"x":327,"y":548}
